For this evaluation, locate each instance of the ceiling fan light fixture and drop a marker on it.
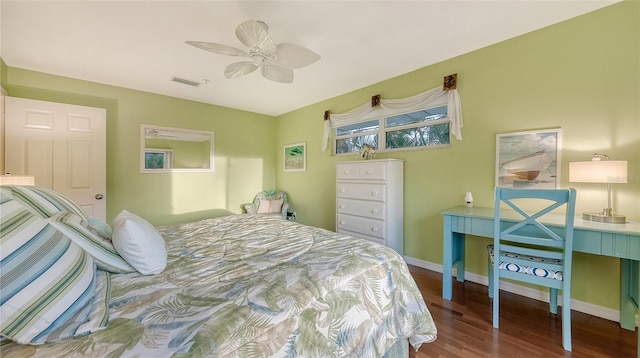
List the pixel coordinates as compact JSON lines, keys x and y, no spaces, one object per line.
{"x":277,"y":61}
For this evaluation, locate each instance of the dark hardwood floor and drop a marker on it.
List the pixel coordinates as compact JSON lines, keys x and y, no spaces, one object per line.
{"x":527,"y":329}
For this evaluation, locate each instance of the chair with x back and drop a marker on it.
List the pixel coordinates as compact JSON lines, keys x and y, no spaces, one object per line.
{"x":525,"y":249}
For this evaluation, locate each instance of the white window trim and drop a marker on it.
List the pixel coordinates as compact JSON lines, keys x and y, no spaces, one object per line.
{"x":389,"y":107}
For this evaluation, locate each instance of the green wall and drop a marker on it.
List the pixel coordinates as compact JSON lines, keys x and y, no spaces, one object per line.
{"x":581,"y":75}
{"x":244,"y":159}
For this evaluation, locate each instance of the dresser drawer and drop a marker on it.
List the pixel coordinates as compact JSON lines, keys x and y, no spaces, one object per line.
{"x":362,"y":236}
{"x":361,"y":191}
{"x":362,"y":170}
{"x":371,"y":209}
{"x":364,"y":226}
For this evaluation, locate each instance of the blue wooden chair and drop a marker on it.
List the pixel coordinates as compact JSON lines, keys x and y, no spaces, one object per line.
{"x":529,"y":251}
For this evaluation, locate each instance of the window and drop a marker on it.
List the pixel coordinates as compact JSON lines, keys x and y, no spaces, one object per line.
{"x":351,"y":138}
{"x":419,"y":129}
{"x":424,"y":120}
{"x":158,"y":158}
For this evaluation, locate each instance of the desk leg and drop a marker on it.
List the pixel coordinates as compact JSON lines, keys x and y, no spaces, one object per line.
{"x":628,"y":275}
{"x":629,"y":295}
{"x":453,"y":254}
{"x":458,"y":244}
{"x":447,"y":259}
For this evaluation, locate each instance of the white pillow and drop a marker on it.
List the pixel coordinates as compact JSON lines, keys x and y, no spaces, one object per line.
{"x":270,"y":206}
{"x":138,"y":242}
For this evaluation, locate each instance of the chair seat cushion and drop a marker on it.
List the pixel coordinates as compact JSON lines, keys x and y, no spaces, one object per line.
{"x":531,"y":269}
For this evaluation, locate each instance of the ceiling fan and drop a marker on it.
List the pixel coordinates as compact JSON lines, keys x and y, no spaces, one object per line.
{"x":276,"y":62}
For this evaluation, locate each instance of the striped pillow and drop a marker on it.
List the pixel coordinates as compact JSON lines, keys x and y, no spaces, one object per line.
{"x":47,"y":283}
{"x":102,"y":250}
{"x":45,"y":202}
{"x":91,"y":318}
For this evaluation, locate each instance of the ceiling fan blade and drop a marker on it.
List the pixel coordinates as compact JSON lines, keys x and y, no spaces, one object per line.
{"x":254,"y":34}
{"x":277,"y":73}
{"x":238,"y":69}
{"x":293,"y":56}
{"x":217,"y":48}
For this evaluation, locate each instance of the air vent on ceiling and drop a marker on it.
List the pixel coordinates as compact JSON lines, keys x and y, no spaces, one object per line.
{"x":185,"y":81}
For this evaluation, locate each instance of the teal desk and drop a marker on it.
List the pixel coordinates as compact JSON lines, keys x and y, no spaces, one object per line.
{"x":615,"y":240}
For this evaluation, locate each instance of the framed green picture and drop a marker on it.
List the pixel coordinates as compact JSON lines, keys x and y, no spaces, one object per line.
{"x":295,"y":157}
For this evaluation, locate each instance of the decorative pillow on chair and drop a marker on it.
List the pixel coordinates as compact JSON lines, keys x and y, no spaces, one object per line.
{"x":139,"y":243}
{"x":270,"y":206}
{"x":49,"y":290}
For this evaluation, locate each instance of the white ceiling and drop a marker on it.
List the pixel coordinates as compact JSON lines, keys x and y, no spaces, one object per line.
{"x":140,"y":44}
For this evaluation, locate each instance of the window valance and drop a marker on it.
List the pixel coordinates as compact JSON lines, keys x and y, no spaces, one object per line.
{"x":435,"y":96}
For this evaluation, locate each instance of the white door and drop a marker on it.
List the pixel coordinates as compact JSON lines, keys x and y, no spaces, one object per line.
{"x":63,"y":146}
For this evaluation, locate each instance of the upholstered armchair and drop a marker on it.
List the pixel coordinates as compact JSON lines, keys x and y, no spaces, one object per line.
{"x":268,"y":202}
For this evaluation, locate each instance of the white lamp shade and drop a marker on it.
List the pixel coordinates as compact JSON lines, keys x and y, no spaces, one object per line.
{"x":468,"y":197}
{"x":598,"y":171}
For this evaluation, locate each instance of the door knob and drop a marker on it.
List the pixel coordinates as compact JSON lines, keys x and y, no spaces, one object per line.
{"x":99,"y":196}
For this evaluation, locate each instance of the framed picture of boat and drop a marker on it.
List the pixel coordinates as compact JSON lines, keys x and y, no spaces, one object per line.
{"x":528,"y":160}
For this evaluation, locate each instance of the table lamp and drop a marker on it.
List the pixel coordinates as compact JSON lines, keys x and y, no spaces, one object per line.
{"x":600,"y":170}
{"x":17,"y":180}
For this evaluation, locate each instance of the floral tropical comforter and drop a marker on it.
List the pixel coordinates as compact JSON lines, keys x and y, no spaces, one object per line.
{"x":257,"y":286}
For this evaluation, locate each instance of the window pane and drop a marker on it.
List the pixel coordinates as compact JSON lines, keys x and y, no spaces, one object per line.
{"x":426,"y":115}
{"x":353,"y":144}
{"x":358,"y":128}
{"x":154,"y":160}
{"x":418,"y":137}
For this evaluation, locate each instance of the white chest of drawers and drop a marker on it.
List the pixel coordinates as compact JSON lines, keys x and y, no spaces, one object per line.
{"x":369,"y":201}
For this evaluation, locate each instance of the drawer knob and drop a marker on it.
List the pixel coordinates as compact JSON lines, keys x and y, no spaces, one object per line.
{"x":375,"y":211}
{"x":342,"y":222}
{"x":374,"y":229}
{"x":369,"y":171}
{"x":346,"y":172}
{"x":374,"y":193}
{"x":342,"y":206}
{"x":343,"y":190}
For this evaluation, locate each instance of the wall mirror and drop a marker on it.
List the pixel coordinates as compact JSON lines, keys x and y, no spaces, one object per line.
{"x":166,"y":150}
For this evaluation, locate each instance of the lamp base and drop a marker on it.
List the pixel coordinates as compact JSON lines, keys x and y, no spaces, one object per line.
{"x":609,"y":219}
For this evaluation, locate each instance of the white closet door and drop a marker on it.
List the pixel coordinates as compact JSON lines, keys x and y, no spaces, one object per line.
{"x":62,"y":145}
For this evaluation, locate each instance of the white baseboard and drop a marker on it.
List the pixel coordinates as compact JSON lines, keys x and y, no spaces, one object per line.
{"x":580,"y":306}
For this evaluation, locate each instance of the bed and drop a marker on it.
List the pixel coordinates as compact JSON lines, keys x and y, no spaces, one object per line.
{"x":239,"y":285}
